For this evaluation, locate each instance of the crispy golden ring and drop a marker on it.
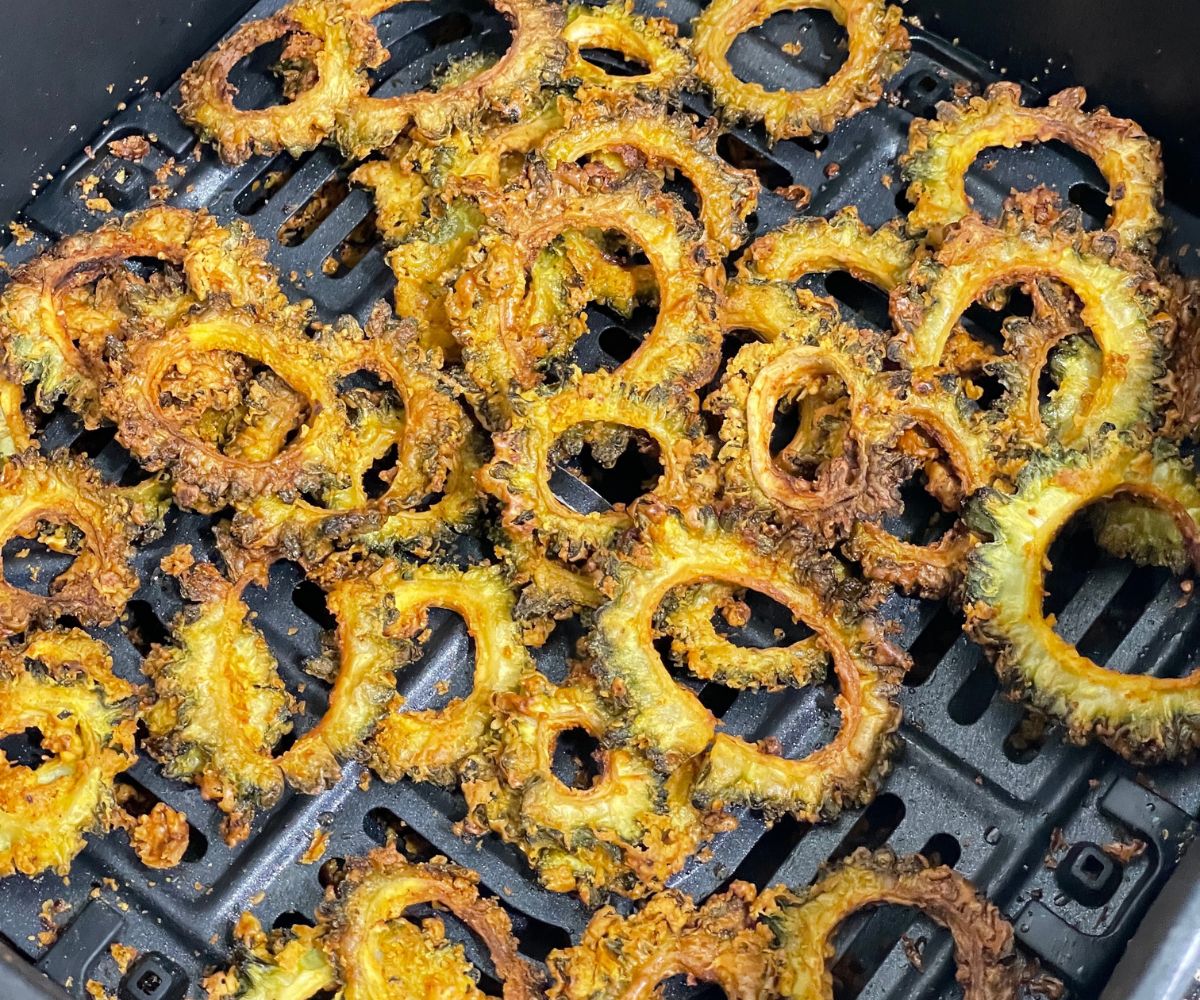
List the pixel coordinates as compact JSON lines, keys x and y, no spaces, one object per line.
{"x":219,"y":704}
{"x":58,"y":347}
{"x":1142,"y":718}
{"x":968,"y":452}
{"x":627,"y":832}
{"x":593,"y":408}
{"x":431,"y":744}
{"x":346,"y":47}
{"x":670,"y":722}
{"x":63,"y":502}
{"x":361,"y":663}
{"x":369,"y":903}
{"x":508,"y":87}
{"x":504,"y":352}
{"x":202,"y":474}
{"x":941,"y":150}
{"x":437,"y":456}
{"x":697,"y":646}
{"x":1120,"y":300}
{"x":626,"y":958}
{"x":62,"y":684}
{"x":652,"y":41}
{"x":858,"y":483}
{"x":726,"y":194}
{"x":989,"y":967}
{"x":878,"y":48}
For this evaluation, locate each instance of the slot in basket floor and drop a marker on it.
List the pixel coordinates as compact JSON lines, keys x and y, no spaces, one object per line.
{"x":974,"y":785}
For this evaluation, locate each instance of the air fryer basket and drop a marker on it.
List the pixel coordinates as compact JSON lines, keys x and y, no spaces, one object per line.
{"x":975,"y":784}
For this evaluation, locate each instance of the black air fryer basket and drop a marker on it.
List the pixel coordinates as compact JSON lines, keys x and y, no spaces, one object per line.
{"x":975,"y":785}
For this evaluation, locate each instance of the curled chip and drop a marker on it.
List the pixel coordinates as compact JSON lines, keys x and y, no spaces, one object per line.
{"x":804,"y":923}
{"x":599,"y":410}
{"x":506,"y":348}
{"x":201,"y":472}
{"x":642,"y":131}
{"x":842,"y":467}
{"x":373,"y":958}
{"x":341,"y":45}
{"x":941,"y":150}
{"x":1141,"y":717}
{"x":430,"y":493}
{"x":508,"y":87}
{"x":431,"y":744}
{"x":55,"y":317}
{"x":687,"y":617}
{"x":220,"y":706}
{"x":878,"y":47}
{"x":63,"y":503}
{"x":626,"y":831}
{"x":720,"y":942}
{"x":61,"y":683}
{"x":1120,"y":299}
{"x":650,"y":43}
{"x":671,"y":724}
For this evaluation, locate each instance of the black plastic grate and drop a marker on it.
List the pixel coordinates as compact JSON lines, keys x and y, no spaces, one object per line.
{"x":974,"y":783}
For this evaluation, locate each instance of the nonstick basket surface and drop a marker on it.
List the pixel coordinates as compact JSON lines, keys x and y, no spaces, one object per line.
{"x":977,"y":784}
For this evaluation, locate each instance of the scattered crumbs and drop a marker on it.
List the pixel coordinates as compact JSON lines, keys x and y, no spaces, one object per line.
{"x":21,"y":234}
{"x":316,"y":846}
{"x":293,"y":630}
{"x":1124,"y":851}
{"x":793,"y":48}
{"x":887,"y":180}
{"x":110,"y":884}
{"x":832,"y":169}
{"x":23,"y":554}
{"x":797,"y":194}
{"x":179,"y":560}
{"x":50,"y":910}
{"x":88,"y":185}
{"x":914,"y":951}
{"x":123,"y":955}
{"x":102,"y":205}
{"x":96,"y":990}
{"x":132,"y":147}
{"x":198,"y":886}
{"x":257,"y":898}
{"x":442,"y":686}
{"x":34,"y":573}
{"x":160,"y":192}
{"x":364,"y":781}
{"x":122,"y":906}
{"x":111,"y":87}
{"x":121,"y":105}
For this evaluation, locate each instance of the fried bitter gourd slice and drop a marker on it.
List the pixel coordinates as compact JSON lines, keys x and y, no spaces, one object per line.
{"x":1121,"y":307}
{"x":626,"y":957}
{"x":508,"y":87}
{"x":804,"y":923}
{"x":652,"y":42}
{"x":287,"y":966}
{"x":670,"y":723}
{"x":53,"y":340}
{"x":1142,"y":718}
{"x":63,"y":503}
{"x":365,"y":909}
{"x":340,"y":44}
{"x":202,"y":474}
{"x":857,"y":481}
{"x":61,"y":683}
{"x":626,"y":832}
{"x":506,"y":350}
{"x":431,"y":492}
{"x":664,"y":141}
{"x":594,"y":408}
{"x":687,"y":616}
{"x":878,"y":48}
{"x":431,"y":744}
{"x":219,"y":704}
{"x":941,"y":150}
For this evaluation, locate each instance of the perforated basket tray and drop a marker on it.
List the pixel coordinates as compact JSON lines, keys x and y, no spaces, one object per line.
{"x":973,"y":785}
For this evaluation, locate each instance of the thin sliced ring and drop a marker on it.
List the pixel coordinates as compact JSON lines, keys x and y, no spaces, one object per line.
{"x":652,"y":41}
{"x":1143,"y":718}
{"x":878,"y":48}
{"x":941,"y":150}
